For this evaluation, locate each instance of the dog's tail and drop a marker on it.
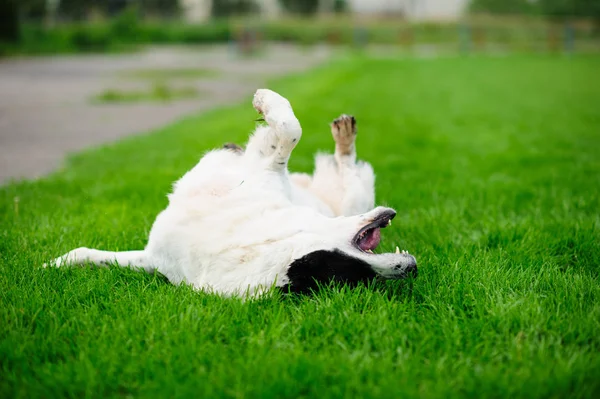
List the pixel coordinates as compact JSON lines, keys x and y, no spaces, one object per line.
{"x":80,"y":256}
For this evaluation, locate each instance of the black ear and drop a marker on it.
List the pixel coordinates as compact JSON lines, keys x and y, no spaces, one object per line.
{"x":324,"y":267}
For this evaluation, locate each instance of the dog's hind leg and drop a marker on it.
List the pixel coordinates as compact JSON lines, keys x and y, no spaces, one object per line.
{"x":346,"y":185}
{"x":273,"y":144}
{"x":82,"y":256}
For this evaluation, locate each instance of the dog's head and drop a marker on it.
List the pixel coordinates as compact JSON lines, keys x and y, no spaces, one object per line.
{"x":347,"y":254}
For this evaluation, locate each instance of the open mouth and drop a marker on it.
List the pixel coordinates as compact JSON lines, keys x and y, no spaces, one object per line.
{"x":369,"y":237}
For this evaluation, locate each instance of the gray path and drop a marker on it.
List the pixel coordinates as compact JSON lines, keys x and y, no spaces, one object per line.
{"x":46,"y":112}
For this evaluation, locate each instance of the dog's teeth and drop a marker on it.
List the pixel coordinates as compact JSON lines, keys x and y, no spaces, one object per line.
{"x":397,"y":250}
{"x":369,"y":251}
{"x":390,"y":222}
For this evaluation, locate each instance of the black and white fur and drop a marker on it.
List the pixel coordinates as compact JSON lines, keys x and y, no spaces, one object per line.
{"x":239,"y":223}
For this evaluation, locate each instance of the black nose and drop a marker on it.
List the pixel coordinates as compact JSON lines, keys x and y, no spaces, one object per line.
{"x":411,"y":270}
{"x":409,"y":267}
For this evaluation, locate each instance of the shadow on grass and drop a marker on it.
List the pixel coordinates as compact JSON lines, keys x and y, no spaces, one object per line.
{"x":401,"y":291}
{"x":391,"y":290}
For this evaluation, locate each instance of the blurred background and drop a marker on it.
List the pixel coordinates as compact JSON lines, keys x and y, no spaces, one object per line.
{"x":51,"y":26}
{"x":78,"y":73}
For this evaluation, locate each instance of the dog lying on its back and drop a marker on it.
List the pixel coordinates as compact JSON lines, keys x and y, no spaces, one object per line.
{"x":239,"y":223}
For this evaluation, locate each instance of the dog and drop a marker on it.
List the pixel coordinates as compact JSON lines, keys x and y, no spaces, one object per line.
{"x":239,"y":223}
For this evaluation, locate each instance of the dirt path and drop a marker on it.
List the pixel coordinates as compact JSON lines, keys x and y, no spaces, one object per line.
{"x":46,"y":109}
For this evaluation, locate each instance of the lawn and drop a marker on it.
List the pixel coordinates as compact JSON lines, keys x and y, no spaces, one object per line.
{"x":494,"y":167}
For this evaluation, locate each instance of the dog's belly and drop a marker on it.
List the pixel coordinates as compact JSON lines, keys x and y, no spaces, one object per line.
{"x":229,"y":229}
{"x":223,"y":173}
{"x":227,"y":246}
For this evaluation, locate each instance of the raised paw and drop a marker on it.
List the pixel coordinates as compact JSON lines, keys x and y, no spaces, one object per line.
{"x":343,"y":130}
{"x":285,"y":128}
{"x":265,"y":100}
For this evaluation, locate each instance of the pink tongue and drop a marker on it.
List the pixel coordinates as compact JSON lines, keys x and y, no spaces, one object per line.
{"x":371,"y":240}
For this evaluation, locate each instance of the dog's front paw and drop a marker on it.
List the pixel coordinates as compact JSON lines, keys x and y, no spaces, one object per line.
{"x":259,"y":101}
{"x":265,"y":100}
{"x":279,"y":115}
{"x":343,"y":130}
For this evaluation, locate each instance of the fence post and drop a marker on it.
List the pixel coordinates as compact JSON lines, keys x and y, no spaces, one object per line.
{"x":479,"y":36}
{"x":465,"y":38}
{"x":553,"y":45}
{"x":569,"y":38}
{"x":407,"y":37}
{"x":361,"y":37}
{"x":334,"y":37}
{"x":247,"y":40}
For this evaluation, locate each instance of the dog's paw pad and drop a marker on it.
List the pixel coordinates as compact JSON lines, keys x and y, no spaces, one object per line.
{"x":343,"y":130}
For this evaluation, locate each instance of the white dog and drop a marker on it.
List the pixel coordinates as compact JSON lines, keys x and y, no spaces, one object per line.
{"x":239,"y":223}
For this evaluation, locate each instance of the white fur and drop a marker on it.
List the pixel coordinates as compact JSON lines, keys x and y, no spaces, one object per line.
{"x":236,"y":222}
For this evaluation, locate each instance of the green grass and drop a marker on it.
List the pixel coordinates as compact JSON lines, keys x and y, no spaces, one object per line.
{"x":162,"y":74}
{"x":160,"y":87}
{"x":157,"y":92}
{"x":494,"y":167}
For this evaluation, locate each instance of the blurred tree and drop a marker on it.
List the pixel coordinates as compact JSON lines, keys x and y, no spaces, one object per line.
{"x":552,"y":8}
{"x":305,"y":7}
{"x":32,"y":9}
{"x":504,"y":6}
{"x":80,"y":9}
{"x":160,"y":7}
{"x":9,"y":21}
{"x":225,"y":8}
{"x":126,"y":22}
{"x":340,"y":6}
{"x":565,"y":8}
